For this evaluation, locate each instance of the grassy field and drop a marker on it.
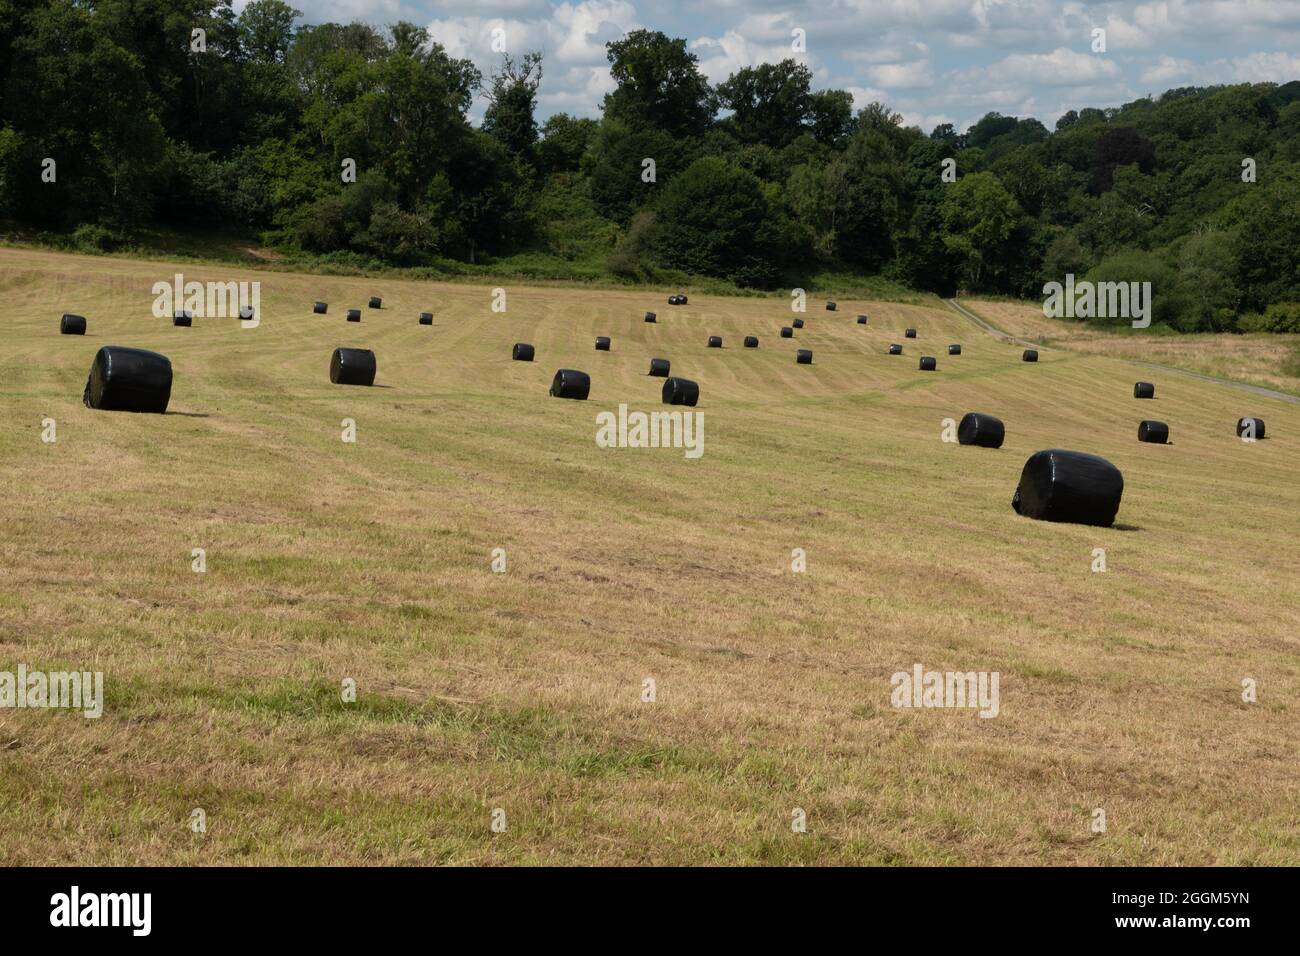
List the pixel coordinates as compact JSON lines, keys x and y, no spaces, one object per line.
{"x":521,"y":691}
{"x":1270,"y":361}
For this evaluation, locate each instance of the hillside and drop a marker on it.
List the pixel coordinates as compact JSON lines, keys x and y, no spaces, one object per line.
{"x":522,"y":690}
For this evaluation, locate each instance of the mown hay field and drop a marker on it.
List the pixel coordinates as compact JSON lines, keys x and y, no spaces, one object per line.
{"x":522,"y":691}
{"x":1267,"y":360}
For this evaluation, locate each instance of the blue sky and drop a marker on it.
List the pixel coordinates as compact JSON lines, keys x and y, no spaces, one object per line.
{"x":933,"y":61}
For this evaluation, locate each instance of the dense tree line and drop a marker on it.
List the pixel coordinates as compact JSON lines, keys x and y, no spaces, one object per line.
{"x":761,"y":180}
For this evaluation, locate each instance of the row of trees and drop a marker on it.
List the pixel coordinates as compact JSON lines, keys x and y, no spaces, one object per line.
{"x":256,"y":122}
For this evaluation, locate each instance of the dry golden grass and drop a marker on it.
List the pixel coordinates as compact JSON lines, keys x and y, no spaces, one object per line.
{"x":1271,"y":361}
{"x":521,"y":690}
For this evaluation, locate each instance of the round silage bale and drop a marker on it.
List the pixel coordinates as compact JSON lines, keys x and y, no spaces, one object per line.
{"x":681,"y":391}
{"x":1250,"y":428}
{"x":352,"y":367}
{"x":128,"y":380}
{"x":982,"y":430}
{"x":1153,"y":432}
{"x":570,"y":383}
{"x":1072,"y":486}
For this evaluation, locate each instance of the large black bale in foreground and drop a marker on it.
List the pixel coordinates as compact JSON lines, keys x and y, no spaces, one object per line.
{"x":128,"y":380}
{"x":1058,"y":485}
{"x":72,"y":324}
{"x":681,"y":391}
{"x":352,"y":367}
{"x":570,"y":383}
{"x":979,"y":429}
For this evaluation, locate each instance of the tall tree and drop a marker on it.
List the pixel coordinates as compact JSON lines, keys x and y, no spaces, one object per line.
{"x":659,"y":85}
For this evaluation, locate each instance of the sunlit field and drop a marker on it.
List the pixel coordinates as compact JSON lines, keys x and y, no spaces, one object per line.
{"x":517,"y":696}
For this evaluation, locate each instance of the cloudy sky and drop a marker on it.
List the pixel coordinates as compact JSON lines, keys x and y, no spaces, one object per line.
{"x":934,"y":61}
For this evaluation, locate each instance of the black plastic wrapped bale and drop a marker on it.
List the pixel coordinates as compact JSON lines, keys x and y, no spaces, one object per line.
{"x":426,"y":318}
{"x":246,"y":313}
{"x":184,"y":319}
{"x":979,"y":429}
{"x":659,"y":367}
{"x":682,"y":299}
{"x":128,"y":380}
{"x":650,"y":317}
{"x":352,"y":367}
{"x":1157,"y":433}
{"x":954,"y":350}
{"x":798,"y":323}
{"x":602,"y":343}
{"x":1057,"y":485}
{"x":672,"y":300}
{"x":928,"y":363}
{"x":787,"y":332}
{"x":72,"y":324}
{"x":751,"y":341}
{"x":1144,"y":390}
{"x":522,"y":352}
{"x":895,"y":350}
{"x":831,"y":307}
{"x":1254,"y":424}
{"x":909,"y":334}
{"x":320,"y":308}
{"x":376,"y":302}
{"x":803,"y":356}
{"x":862,"y":320}
{"x":1030,"y":355}
{"x":681,"y":391}
{"x":570,"y":383}
{"x":354,"y":315}
{"x":715,"y":341}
